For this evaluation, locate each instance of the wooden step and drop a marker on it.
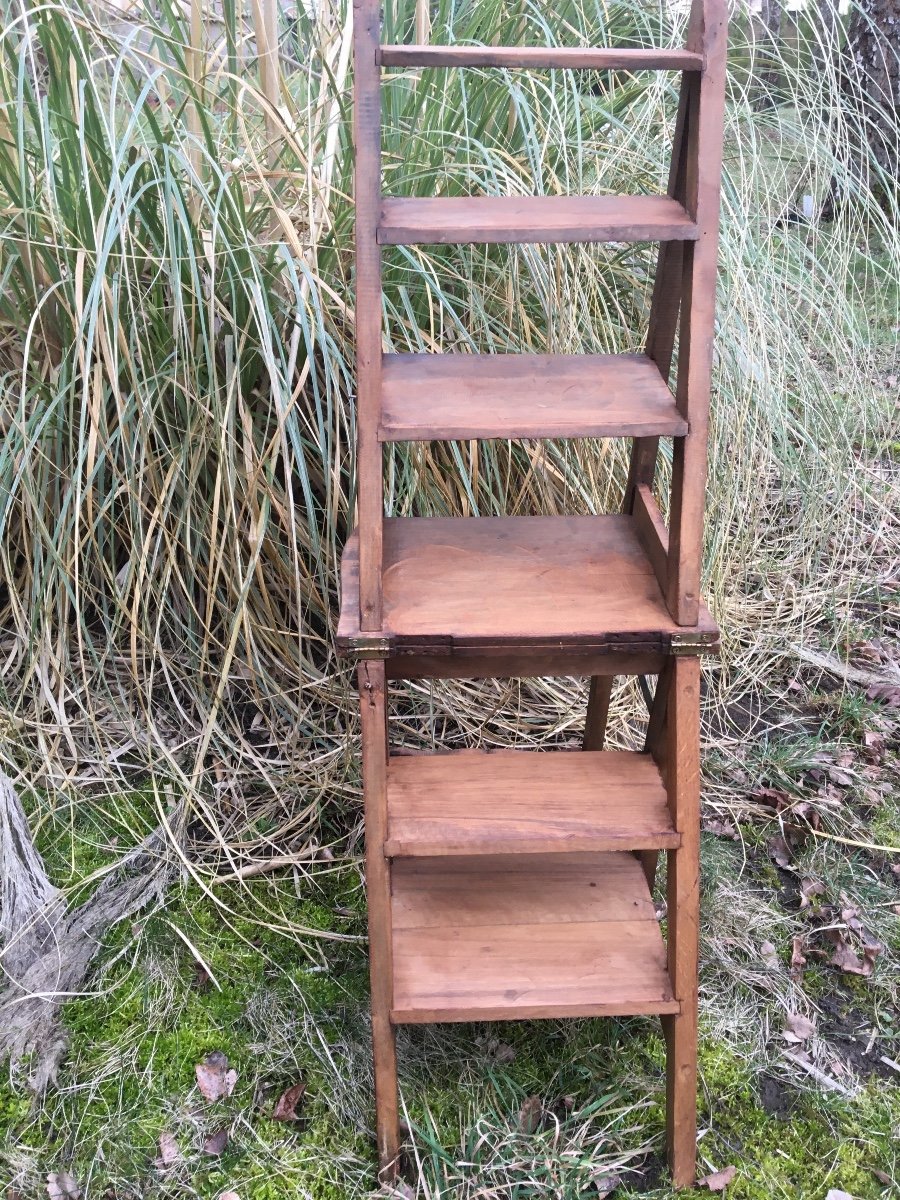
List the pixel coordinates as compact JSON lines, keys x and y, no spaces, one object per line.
{"x":494,"y":584}
{"x":567,"y":57}
{"x":433,"y":396}
{"x":460,"y":220}
{"x":521,"y":802}
{"x":489,"y":939}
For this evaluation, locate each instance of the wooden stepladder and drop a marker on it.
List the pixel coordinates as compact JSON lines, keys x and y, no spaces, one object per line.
{"x":518,"y":884}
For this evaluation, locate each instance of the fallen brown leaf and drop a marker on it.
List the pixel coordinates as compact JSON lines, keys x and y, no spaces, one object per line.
{"x":780,"y":851}
{"x":214,"y":1078}
{"x":874,"y":746}
{"x":721,"y":828}
{"x":799,"y":1028}
{"x":719,"y":1180}
{"x":168,"y":1149}
{"x":530,"y":1114}
{"x":850,"y":917}
{"x":773,"y":797}
{"x":798,"y":959}
{"x":62,"y":1186}
{"x":769,"y":954}
{"x":808,"y":889}
{"x":606,"y":1185}
{"x":286,"y":1105}
{"x":846,"y":959}
{"x":216,"y":1143}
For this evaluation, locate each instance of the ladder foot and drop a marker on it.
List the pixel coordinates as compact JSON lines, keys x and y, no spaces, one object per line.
{"x":681,"y":1107}
{"x":387,"y":1117}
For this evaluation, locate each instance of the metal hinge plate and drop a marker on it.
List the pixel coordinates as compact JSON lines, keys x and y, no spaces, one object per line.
{"x":369,"y":645}
{"x":695,"y":643}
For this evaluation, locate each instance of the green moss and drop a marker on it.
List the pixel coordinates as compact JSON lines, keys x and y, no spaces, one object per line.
{"x":827,"y":1142}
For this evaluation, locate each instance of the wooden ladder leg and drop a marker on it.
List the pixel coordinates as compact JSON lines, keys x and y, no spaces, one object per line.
{"x":655,"y":744}
{"x":683,"y":899}
{"x":597,"y":712}
{"x":373,"y":711}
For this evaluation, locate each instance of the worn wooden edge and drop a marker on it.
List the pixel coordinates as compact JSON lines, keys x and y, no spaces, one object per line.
{"x":430,"y":1016}
{"x":446,"y":658}
{"x":433,"y":847}
{"x":395,"y":228}
{"x":536,"y":57}
{"x":522,"y":665}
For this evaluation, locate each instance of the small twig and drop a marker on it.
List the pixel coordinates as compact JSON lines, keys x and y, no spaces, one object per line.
{"x":827,"y":1081}
{"x":890,"y":677}
{"x":263,"y":868}
{"x":845,"y":841}
{"x":889,"y":1062}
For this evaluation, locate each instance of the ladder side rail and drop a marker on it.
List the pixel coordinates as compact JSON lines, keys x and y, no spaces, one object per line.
{"x":682,"y":773}
{"x":367,"y":146}
{"x":374,"y":737}
{"x":707,"y":32}
{"x":666,"y":300}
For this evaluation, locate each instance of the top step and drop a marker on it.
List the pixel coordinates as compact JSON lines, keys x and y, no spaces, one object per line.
{"x":540,"y":57}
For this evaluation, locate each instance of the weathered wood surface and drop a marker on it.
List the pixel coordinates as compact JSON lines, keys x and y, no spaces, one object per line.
{"x":499,"y":938}
{"x":550,"y":583}
{"x":523,"y":802}
{"x":431,"y":396}
{"x":588,"y":58}
{"x":459,"y":220}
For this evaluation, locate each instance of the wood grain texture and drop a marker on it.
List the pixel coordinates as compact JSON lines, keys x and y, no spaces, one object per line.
{"x":707,"y":34}
{"x":367,"y":196}
{"x":565,"y":57}
{"x":465,"y":219}
{"x":547,"y":583}
{"x":597,"y":714}
{"x":476,"y":665}
{"x":525,"y":936}
{"x":651,"y":532}
{"x":373,"y":720}
{"x":520,"y":802}
{"x":683,"y":903}
{"x":666,"y":301}
{"x":431,"y":396}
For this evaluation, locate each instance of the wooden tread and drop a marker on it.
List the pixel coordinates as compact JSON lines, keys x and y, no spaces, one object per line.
{"x":434,"y":396}
{"x":567,"y":57}
{"x":541,"y":584}
{"x":525,"y":802}
{"x":408,"y":221}
{"x":525,"y":936}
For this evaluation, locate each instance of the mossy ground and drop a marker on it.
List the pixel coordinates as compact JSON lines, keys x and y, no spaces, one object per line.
{"x":223,"y":971}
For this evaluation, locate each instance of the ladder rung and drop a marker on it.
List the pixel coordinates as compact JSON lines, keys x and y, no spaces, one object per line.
{"x":525,"y":936}
{"x":571,"y":57}
{"x":428,"y":397}
{"x":461,"y":220}
{"x":526,"y":802}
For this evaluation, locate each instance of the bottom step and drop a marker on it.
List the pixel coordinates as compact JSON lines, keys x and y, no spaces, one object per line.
{"x":493,"y":938}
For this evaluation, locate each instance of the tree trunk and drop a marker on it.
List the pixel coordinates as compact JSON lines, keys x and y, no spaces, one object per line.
{"x":870,"y":87}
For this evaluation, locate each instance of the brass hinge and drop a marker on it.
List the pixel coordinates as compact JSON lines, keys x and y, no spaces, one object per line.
{"x":695,"y":642}
{"x":369,"y":645}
